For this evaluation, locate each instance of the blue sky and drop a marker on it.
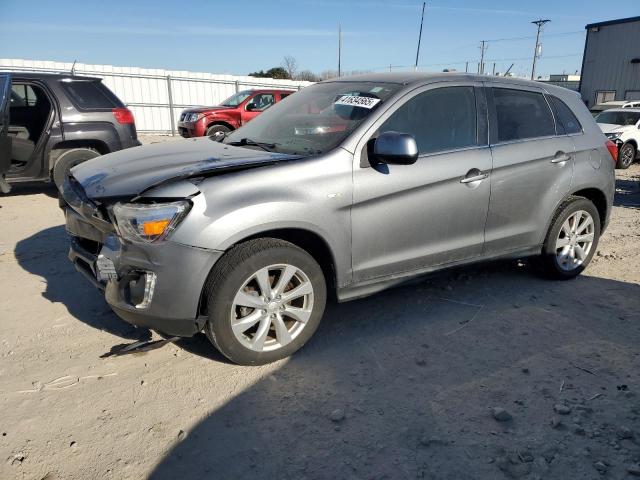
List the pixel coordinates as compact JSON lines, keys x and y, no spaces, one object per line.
{"x":242,"y":36}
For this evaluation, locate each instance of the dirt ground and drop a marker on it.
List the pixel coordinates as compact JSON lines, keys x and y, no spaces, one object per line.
{"x":409,"y":383}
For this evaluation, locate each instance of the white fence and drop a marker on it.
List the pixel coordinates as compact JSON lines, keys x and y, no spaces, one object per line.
{"x":156,"y":96}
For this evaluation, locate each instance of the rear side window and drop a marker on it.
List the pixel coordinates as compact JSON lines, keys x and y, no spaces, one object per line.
{"x":441,"y":119}
{"x":521,"y":115}
{"x":566,"y":121}
{"x":91,"y":95}
{"x":22,"y":95}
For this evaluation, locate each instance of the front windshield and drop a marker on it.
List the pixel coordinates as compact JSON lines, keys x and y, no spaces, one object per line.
{"x":236,"y":99}
{"x":619,"y":118}
{"x":315,"y":119}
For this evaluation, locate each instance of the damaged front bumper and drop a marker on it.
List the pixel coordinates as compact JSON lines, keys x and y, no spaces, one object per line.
{"x":157,"y":286}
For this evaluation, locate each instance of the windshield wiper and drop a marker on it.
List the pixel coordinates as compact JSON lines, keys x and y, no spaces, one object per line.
{"x":268,"y":147}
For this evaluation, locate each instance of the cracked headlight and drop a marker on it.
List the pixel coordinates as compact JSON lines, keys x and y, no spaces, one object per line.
{"x":147,"y":223}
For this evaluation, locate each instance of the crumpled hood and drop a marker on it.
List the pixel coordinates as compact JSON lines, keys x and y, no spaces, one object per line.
{"x":131,"y":171}
{"x":611,"y":128}
{"x":209,"y":109}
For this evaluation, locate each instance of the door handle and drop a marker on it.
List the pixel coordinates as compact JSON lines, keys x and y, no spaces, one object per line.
{"x":561,"y":158}
{"x":475,"y":178}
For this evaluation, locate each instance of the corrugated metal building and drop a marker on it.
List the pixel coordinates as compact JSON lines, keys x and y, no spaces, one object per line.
{"x":611,"y":62}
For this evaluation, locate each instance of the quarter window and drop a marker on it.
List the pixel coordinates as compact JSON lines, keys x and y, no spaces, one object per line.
{"x":522,"y":114}
{"x":91,"y":95}
{"x":566,"y":121}
{"x":441,"y":119}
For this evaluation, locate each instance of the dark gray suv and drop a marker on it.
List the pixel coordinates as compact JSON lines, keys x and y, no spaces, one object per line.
{"x":51,"y":122}
{"x":347,"y":187}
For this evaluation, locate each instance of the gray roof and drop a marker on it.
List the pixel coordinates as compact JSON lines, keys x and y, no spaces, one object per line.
{"x":613,"y":22}
{"x":409,"y":78}
{"x":47,"y":76}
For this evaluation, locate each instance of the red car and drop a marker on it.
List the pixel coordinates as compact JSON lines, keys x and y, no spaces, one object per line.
{"x":234,"y":112}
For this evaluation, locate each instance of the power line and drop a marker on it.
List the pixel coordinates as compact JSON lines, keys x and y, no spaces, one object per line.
{"x":529,"y":37}
{"x":463,"y":62}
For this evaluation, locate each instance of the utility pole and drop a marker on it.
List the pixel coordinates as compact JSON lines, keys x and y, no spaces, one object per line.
{"x":506,"y":74}
{"x":424,"y":4}
{"x":339,"y":49}
{"x":466,"y":67}
{"x":483,"y":48}
{"x":540,"y":23}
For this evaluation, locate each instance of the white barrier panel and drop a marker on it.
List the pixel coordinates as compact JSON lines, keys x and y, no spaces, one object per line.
{"x":156,"y":96}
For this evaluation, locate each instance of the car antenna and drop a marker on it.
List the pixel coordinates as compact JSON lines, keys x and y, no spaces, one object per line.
{"x":73,"y":68}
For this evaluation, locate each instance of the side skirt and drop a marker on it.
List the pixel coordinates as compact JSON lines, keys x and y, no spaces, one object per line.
{"x":375,"y":285}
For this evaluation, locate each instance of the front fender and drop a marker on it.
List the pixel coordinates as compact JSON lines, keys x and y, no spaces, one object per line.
{"x":314,"y":196}
{"x":230,"y":118}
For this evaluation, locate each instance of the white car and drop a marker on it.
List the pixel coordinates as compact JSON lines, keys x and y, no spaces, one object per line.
{"x":601,"y":107}
{"x":622,"y":126}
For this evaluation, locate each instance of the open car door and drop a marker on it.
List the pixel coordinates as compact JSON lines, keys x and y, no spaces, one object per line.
{"x":5,"y":140}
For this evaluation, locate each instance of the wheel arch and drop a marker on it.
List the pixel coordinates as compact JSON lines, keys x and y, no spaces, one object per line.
{"x":61,"y":147}
{"x":599,"y":199}
{"x":307,"y":240}
{"x":218,"y":122}
{"x":595,"y":195}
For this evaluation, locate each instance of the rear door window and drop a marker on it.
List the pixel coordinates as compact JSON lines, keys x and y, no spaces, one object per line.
{"x":91,"y":95}
{"x":440,"y":119}
{"x":22,"y":95}
{"x":566,"y":121}
{"x":521,"y":114}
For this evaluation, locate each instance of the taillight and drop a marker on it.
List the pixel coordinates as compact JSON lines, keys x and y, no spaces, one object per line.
{"x":123,"y":116}
{"x":613,"y":150}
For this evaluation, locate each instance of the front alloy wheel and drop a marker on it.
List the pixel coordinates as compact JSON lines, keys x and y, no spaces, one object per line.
{"x":264,"y":299}
{"x":272,"y":307}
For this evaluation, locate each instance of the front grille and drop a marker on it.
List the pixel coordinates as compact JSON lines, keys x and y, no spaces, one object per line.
{"x":90,"y":246}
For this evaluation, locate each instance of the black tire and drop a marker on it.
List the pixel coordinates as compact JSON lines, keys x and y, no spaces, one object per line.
{"x":229,"y":275}
{"x":214,"y":129}
{"x":626,"y":156}
{"x":548,"y":262}
{"x":68,"y":160}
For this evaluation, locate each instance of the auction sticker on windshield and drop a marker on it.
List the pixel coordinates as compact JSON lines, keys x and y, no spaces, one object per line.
{"x":356,"y":101}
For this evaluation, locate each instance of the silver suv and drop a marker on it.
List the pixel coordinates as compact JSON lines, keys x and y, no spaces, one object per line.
{"x":346,"y":188}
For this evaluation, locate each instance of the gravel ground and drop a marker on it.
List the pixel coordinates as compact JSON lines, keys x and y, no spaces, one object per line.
{"x":489,"y":372}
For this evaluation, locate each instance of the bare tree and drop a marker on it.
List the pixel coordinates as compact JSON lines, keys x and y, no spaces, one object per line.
{"x":290,"y":64}
{"x":307,"y":75}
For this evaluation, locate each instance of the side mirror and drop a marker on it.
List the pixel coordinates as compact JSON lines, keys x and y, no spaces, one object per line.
{"x":396,"y":148}
{"x":251,"y":107}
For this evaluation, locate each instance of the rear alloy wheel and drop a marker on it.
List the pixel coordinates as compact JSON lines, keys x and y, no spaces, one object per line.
{"x":626,"y":156}
{"x":265,"y":299}
{"x":572,"y":239}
